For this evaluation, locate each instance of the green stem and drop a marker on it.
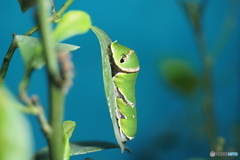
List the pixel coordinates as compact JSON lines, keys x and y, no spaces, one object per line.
{"x":7,"y":60}
{"x":210,"y":125}
{"x":10,"y":52}
{"x":33,"y":106}
{"x":229,"y":24}
{"x":55,"y":141}
{"x":64,"y":7}
{"x":31,"y":31}
{"x":56,"y":97}
{"x":194,"y":12}
{"x":23,"y":87}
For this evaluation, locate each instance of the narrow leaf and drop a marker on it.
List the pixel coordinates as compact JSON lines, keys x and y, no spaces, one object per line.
{"x":78,"y":148}
{"x":68,"y":127}
{"x":72,"y":23}
{"x":31,"y":50}
{"x":26,"y":4}
{"x":105,"y":41}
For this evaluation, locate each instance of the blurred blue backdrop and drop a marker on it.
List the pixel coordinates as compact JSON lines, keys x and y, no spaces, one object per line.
{"x":170,"y":125}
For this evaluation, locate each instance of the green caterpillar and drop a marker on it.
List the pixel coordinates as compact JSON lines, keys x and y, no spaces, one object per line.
{"x":125,"y":67}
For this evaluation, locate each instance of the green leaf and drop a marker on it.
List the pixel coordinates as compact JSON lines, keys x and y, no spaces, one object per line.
{"x":79,"y":148}
{"x":179,"y":75}
{"x":68,"y":127}
{"x":105,"y":41}
{"x":26,"y":4}
{"x":72,"y":23}
{"x":15,"y":134}
{"x":31,"y":50}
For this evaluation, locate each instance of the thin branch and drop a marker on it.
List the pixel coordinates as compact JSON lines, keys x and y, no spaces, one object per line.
{"x":36,"y":109}
{"x":7,"y":59}
{"x":33,"y":105}
{"x":227,"y":28}
{"x":23,"y":87}
{"x":195,"y":13}
{"x":31,"y":31}
{"x":210,"y":124}
{"x":46,"y":128}
{"x":64,"y":7}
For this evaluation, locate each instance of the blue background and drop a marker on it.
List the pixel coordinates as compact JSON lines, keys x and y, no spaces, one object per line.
{"x":169,"y":124}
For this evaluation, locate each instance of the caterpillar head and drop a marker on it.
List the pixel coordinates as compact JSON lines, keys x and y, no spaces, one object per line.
{"x":125,"y":58}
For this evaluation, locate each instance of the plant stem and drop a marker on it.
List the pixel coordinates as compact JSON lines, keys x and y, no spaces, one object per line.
{"x":55,"y":141}
{"x":194,"y":13}
{"x":33,"y":105}
{"x":31,"y":31}
{"x":56,"y":97}
{"x":210,"y":125}
{"x":23,"y":87}
{"x":64,"y":7}
{"x":228,"y":26}
{"x":7,"y":60}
